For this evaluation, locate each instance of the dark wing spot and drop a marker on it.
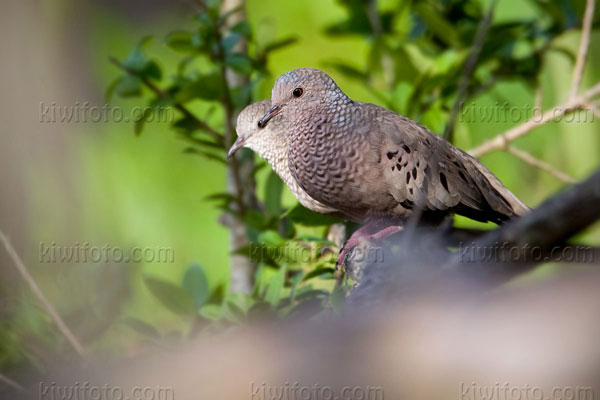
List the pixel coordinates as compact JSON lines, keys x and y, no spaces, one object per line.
{"x":406,"y":148}
{"x":408,"y":204}
{"x":444,"y":181}
{"x":414,"y":173}
{"x":393,"y":168}
{"x":391,"y":155}
{"x":462,"y":176}
{"x":399,"y":166}
{"x":428,"y":172}
{"x":407,"y":177}
{"x":410,"y":190}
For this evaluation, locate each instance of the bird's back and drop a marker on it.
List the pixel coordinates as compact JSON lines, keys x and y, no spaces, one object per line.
{"x":372,"y":162}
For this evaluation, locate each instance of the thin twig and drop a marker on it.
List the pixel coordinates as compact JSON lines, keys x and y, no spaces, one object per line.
{"x":60,"y":323}
{"x":374,"y":19}
{"x":584,"y":45}
{"x":500,"y":141}
{"x":164,"y":95}
{"x":468,"y":70}
{"x":594,"y":109}
{"x":7,"y":381}
{"x":535,"y":162}
{"x":539,"y":98}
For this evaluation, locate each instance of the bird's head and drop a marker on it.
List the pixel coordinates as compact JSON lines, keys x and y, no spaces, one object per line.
{"x":262,"y":140}
{"x":303,"y":91}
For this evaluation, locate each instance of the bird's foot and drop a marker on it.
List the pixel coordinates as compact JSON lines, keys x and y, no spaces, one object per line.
{"x":364,"y":233}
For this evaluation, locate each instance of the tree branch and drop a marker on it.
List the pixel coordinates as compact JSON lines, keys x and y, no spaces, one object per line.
{"x":469,"y":67}
{"x":239,"y":173}
{"x":216,"y":135}
{"x":9,"y":382}
{"x":535,"y":162}
{"x":584,"y":45}
{"x":425,"y":262}
{"x":500,"y":141}
{"x":550,"y":224}
{"x":60,"y":323}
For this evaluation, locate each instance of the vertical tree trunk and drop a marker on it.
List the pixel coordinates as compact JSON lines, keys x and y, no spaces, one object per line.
{"x":242,"y":269}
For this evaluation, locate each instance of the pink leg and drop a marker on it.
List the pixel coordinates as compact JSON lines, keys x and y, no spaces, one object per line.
{"x":365,"y":231}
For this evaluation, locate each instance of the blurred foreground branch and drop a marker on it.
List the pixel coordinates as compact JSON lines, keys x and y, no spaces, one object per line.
{"x":484,"y":262}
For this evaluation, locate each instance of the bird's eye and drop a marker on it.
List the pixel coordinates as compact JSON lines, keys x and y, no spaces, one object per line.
{"x":298,"y":92}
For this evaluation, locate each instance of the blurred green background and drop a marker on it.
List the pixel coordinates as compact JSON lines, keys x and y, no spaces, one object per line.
{"x":68,"y":183}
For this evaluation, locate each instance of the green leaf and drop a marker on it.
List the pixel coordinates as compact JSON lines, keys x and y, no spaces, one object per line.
{"x":273,"y":191}
{"x":136,"y":60}
{"x":350,"y":71}
{"x":255,"y":219}
{"x":317,"y":272}
{"x":180,"y":41}
{"x":196,"y":285}
{"x":271,"y":238}
{"x":240,"y":63}
{"x":242,"y":28}
{"x":143,"y":328}
{"x":151,"y":70}
{"x":186,"y":124}
{"x":229,"y":42}
{"x":218,"y":295}
{"x":303,"y":216}
{"x":221,"y":196}
{"x":208,"y":87}
{"x":400,"y":97}
{"x":129,"y":86}
{"x":436,"y":22}
{"x":211,"y":312}
{"x":275,"y":286}
{"x":241,"y":95}
{"x":138,"y":124}
{"x":111,"y":89}
{"x":280,"y":44}
{"x":171,"y":296}
{"x":206,"y":154}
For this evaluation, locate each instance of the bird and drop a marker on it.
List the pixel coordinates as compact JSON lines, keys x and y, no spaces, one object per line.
{"x":374,"y":166}
{"x":271,"y":143}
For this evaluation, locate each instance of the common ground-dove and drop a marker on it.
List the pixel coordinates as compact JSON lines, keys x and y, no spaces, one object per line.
{"x":271,"y":143}
{"x":369,"y":163}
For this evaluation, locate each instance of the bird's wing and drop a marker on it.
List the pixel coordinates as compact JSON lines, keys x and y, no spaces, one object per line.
{"x":423,"y":170}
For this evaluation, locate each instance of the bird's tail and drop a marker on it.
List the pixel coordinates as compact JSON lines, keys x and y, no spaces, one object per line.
{"x":519,"y":208}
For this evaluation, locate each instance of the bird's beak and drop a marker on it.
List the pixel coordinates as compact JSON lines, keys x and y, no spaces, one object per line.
{"x":238,"y":144}
{"x":271,"y":112}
